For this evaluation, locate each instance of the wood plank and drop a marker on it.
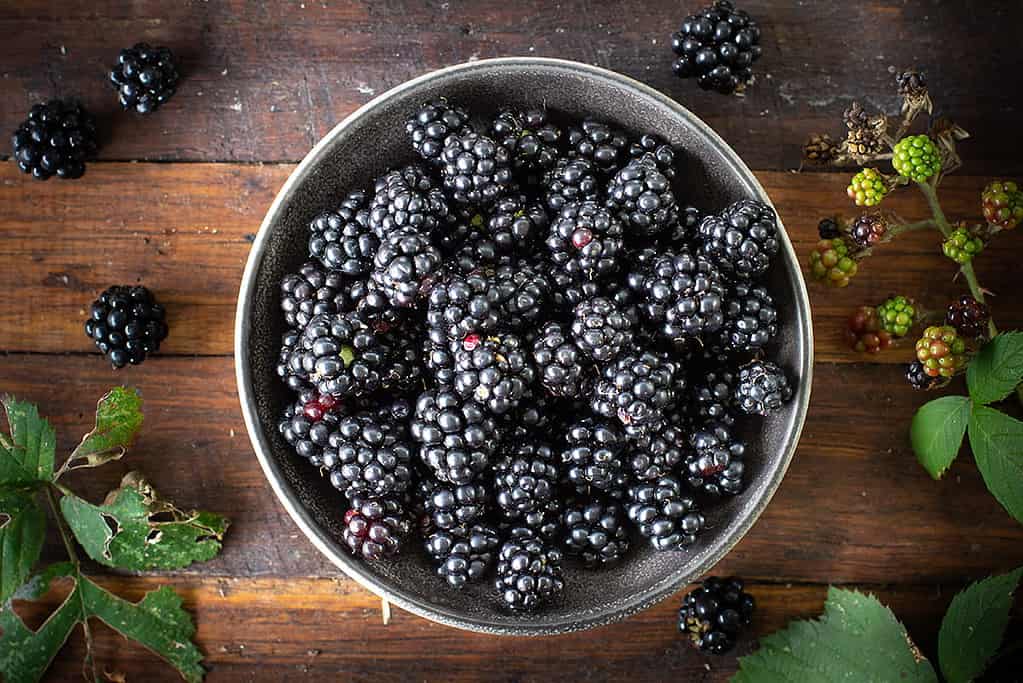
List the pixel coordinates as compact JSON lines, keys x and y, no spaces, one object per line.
{"x":181,"y":229}
{"x":854,"y":507}
{"x":264,"y":82}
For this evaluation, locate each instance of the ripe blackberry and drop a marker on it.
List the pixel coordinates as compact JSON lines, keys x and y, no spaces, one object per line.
{"x":593,"y":458}
{"x":636,"y":389}
{"x":715,"y":463}
{"x":55,"y":139}
{"x":456,"y":437}
{"x":339,"y":354}
{"x":406,"y":198}
{"x":525,"y":483}
{"x":453,"y":506}
{"x":524,"y":294}
{"x":375,"y":527}
{"x":369,"y":456}
{"x":711,"y":398}
{"x":867,"y":188}
{"x":962,"y":245}
{"x":918,"y":378}
{"x":585,"y":241}
{"x":514,"y":222}
{"x":476,"y":169}
{"x":659,"y":452}
{"x":558,"y":360}
{"x":307,"y":426}
{"x":529,"y":572}
{"x":682,"y":292}
{"x":642,"y":198}
{"x":686,"y":227}
{"x":367,"y":300}
{"x":829,"y":229}
{"x":600,"y":329}
{"x":531,"y":140}
{"x":461,"y":305}
{"x":968,"y":316}
{"x":127,"y":324}
{"x":1002,"y":203}
{"x":868,"y":230}
{"x":916,"y":157}
{"x":296,"y":382}
{"x":595,"y":532}
{"x":865,"y":331}
{"x":833,"y":262}
{"x":713,"y":616}
{"x":897,"y":315}
{"x":402,"y":370}
{"x":311,"y":292}
{"x":145,"y":77}
{"x":528,"y":421}
{"x":941,"y":350}
{"x":761,"y":388}
{"x":571,"y":180}
{"x":440,"y":363}
{"x":657,"y":150}
{"x":493,"y":371}
{"x":718,"y":46}
{"x":569,"y":289}
{"x":742,"y":239}
{"x":751,"y":320}
{"x":664,"y":515}
{"x":599,"y":143}
{"x":343,"y":239}
{"x":432,"y":124}
{"x":464,"y":553}
{"x":406,"y":265}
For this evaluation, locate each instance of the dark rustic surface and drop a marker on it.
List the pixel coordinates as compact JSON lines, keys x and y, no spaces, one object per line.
{"x":264,"y":81}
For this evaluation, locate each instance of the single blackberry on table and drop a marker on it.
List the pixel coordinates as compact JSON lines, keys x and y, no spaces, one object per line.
{"x":375,"y":527}
{"x":457,"y":437}
{"x":476,"y":169}
{"x":431,"y":126}
{"x":829,"y":229}
{"x":559,"y":362}
{"x":968,"y":316}
{"x":514,"y":222}
{"x":1002,"y":204}
{"x":920,"y":380}
{"x":127,"y":324}
{"x":941,"y":350}
{"x":55,"y":139}
{"x":833,"y":262}
{"x":916,"y":157}
{"x":496,"y":372}
{"x":593,"y":458}
{"x":406,"y":265}
{"x":311,"y":292}
{"x":571,"y":180}
{"x":683,"y":292}
{"x":751,"y":319}
{"x":868,"y":230}
{"x":867,"y":188}
{"x":761,"y":388}
{"x":897,"y":315}
{"x":713,"y":616}
{"x":599,"y":143}
{"x":636,"y":389}
{"x":525,"y":483}
{"x":452,"y":506}
{"x":585,"y":241}
{"x":595,"y":532}
{"x":664,"y":515}
{"x":529,"y":572}
{"x":962,"y":245}
{"x":658,"y":454}
{"x":464,"y":553}
{"x":307,"y":425}
{"x":742,"y":239}
{"x":339,"y":354}
{"x":369,"y":456}
{"x":343,"y":240}
{"x":406,"y":198}
{"x":711,"y":398}
{"x":686,"y":227}
{"x":657,"y":150}
{"x":715,"y":462}
{"x":145,"y":77}
{"x":641,"y":196}
{"x":718,"y":46}
{"x":529,"y":137}
{"x":601,"y":330}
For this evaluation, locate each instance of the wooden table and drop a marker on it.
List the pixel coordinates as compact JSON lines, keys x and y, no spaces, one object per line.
{"x":174,"y":201}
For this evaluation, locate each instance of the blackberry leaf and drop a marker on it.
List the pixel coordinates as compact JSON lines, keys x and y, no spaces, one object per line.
{"x":937,"y":432}
{"x":118,"y":421}
{"x":997,"y":440}
{"x":22,"y":530}
{"x":26,"y":457}
{"x":997,"y":369}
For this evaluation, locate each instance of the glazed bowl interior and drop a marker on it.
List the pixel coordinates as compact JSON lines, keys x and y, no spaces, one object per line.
{"x":371,"y":141}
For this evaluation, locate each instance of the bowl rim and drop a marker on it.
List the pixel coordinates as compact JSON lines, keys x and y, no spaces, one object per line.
{"x":353,"y":567}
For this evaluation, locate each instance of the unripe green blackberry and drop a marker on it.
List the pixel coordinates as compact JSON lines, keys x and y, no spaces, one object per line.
{"x":941,"y":351}
{"x":1002,"y":202}
{"x":896,"y":315}
{"x":915,"y":157}
{"x":961,"y":246}
{"x":831,"y":262}
{"x":867,"y":188}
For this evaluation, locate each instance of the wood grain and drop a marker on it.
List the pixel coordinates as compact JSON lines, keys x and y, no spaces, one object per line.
{"x":263,"y":81}
{"x":182,"y":230}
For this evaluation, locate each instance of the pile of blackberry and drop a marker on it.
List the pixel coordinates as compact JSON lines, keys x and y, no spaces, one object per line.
{"x":527,"y":351}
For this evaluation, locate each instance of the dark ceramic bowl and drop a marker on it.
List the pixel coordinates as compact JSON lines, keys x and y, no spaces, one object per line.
{"x":366,"y":144}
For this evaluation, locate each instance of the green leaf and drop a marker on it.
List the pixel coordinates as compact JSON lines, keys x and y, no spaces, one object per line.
{"x":118,"y":420}
{"x":937,"y":432}
{"x":135,"y":529}
{"x":997,"y":369}
{"x":972,"y":629}
{"x":25,"y":654}
{"x":997,"y":443}
{"x":27,"y":455}
{"x":22,"y":530}
{"x":856,"y":639}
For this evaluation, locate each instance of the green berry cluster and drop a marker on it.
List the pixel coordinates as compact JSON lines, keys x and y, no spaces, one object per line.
{"x":941,"y":351}
{"x":1002,"y":203}
{"x":831,"y":263}
{"x":915,"y":157}
{"x":867,"y":188}
{"x":897,"y":315}
{"x":961,"y":246}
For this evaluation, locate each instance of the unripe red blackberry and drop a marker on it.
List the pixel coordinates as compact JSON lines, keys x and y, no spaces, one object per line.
{"x":942,"y":351}
{"x":868,"y":230}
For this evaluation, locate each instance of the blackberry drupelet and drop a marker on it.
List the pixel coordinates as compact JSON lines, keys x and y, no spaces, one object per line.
{"x":715,"y":464}
{"x":664,"y":515}
{"x":339,"y":354}
{"x":718,"y":46}
{"x":599,"y":143}
{"x":406,"y":198}
{"x":657,"y":150}
{"x":761,"y":388}
{"x":311,"y":292}
{"x":601,"y":330}
{"x":683,"y":292}
{"x":343,"y":240}
{"x":968,"y":316}
{"x":514,"y":222}
{"x":751,"y":320}
{"x":369,"y":456}
{"x":525,"y":484}
{"x":531,"y":140}
{"x":406,"y":265}
{"x":456,"y":437}
{"x":711,"y":399}
{"x":713,"y":615}
{"x":476,"y":169}
{"x":559,"y":362}
{"x":595,"y":532}
{"x":375,"y":527}
{"x":529,"y":572}
{"x":659,"y":452}
{"x":127,"y":324}
{"x":496,"y":372}
{"x":636,"y":389}
{"x":593,"y":458}
{"x":585,"y":241}
{"x":642,"y":198}
{"x":742,"y":239}
{"x":432,"y":124}
{"x":464,"y":554}
{"x":55,"y":139}
{"x":571,"y":180}
{"x":452,"y":506}
{"x":145,"y":77}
